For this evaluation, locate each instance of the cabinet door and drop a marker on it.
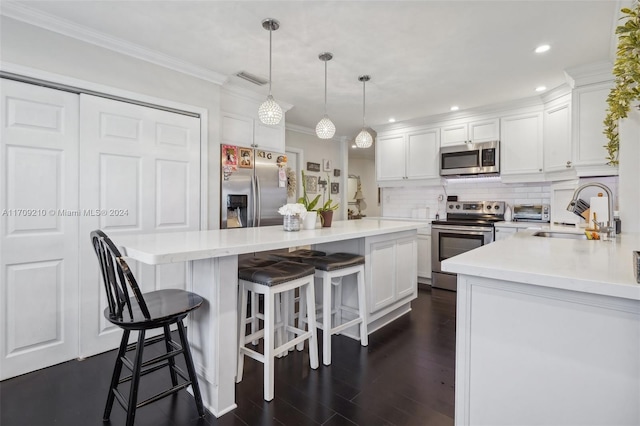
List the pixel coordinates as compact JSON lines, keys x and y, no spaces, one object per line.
{"x":269,"y":138}
{"x":424,"y":256}
{"x":390,"y":157}
{"x":503,"y":232}
{"x":383,"y":275}
{"x":236,"y":129}
{"x":521,"y":146}
{"x":454,"y":134}
{"x":484,"y":130}
{"x":557,"y":137}
{"x":406,"y":271}
{"x":590,"y":106}
{"x":422,"y":154}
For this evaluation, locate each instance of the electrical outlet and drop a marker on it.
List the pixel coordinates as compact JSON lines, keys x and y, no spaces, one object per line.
{"x":440,"y":197}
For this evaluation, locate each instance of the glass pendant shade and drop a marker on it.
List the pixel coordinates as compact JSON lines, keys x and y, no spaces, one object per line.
{"x":325,"y":128}
{"x":364,"y":139}
{"x":270,"y":112}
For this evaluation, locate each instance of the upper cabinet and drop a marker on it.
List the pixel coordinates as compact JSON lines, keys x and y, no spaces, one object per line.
{"x":407,"y":155}
{"x":589,"y":109}
{"x":521,"y":145}
{"x":557,"y":135}
{"x":462,"y":131}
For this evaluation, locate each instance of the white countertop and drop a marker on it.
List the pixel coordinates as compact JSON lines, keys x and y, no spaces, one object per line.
{"x":597,"y":267}
{"x":182,"y":246}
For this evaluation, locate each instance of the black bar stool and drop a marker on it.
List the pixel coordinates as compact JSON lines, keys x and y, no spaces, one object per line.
{"x":271,"y":280}
{"x":156,"y":309}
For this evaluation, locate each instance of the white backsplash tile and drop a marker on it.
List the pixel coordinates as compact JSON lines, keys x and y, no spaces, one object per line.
{"x":400,"y":202}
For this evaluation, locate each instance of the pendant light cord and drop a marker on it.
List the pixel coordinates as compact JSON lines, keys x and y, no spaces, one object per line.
{"x":325,"y":87}
{"x":270,"y":32}
{"x":364,"y":100}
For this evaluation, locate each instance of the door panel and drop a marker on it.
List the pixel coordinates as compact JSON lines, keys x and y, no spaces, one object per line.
{"x":38,"y":228}
{"x":141,"y":170}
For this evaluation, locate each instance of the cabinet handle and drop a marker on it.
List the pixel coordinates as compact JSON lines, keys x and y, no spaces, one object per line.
{"x":539,"y":170}
{"x":568,"y":164}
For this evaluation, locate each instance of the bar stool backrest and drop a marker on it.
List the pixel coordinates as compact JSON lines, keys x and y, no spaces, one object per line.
{"x":117,"y":276}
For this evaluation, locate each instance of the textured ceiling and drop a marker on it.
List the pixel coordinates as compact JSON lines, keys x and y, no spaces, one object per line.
{"x":423,"y":56}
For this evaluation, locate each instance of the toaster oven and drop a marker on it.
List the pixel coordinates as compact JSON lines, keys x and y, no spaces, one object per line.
{"x":531,"y":213}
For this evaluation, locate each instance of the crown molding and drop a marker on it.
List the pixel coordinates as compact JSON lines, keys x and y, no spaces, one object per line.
{"x":598,"y":72}
{"x":49,"y":22}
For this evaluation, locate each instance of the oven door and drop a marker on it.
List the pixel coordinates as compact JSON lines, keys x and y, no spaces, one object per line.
{"x":448,"y":241}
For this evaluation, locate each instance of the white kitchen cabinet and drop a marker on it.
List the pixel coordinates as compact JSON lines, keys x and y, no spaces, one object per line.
{"x":589,"y":110}
{"x":408,"y":155}
{"x":242,"y":130}
{"x":424,"y":254}
{"x":557,"y":135}
{"x":521,"y":145}
{"x":269,"y":138}
{"x":392,"y":271}
{"x":504,"y":232}
{"x":460,"y":132}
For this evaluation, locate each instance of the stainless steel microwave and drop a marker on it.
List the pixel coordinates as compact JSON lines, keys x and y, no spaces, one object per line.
{"x":470,"y":159}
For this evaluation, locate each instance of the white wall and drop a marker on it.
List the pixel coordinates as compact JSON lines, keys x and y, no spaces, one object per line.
{"x":315,"y":151}
{"x":629,"y":157}
{"x":34,"y":47}
{"x":366,"y":169}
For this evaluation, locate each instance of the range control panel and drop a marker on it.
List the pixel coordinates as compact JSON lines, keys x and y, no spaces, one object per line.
{"x":476,"y":208}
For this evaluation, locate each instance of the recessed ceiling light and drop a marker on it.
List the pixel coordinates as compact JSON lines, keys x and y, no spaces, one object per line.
{"x":542,"y":48}
{"x":541,"y":88}
{"x":392,"y":120}
{"x":455,"y":108}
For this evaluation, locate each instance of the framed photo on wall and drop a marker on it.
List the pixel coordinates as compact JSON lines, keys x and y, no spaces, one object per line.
{"x":326,"y":165}
{"x":335,"y":187}
{"x":313,"y":167}
{"x":312,"y":184}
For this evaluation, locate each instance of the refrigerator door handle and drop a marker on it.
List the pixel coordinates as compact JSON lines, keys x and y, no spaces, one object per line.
{"x":258,"y":202}
{"x":255,"y":201}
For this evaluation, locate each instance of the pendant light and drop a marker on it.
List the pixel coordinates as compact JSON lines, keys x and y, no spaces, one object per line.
{"x":270,"y":112}
{"x":364,"y":138}
{"x":325,"y":128}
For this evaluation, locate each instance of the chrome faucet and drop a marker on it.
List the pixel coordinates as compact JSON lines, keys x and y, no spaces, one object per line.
{"x":610,"y":229}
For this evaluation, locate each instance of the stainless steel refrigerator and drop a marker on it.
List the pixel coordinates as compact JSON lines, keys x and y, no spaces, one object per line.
{"x":253,"y":187}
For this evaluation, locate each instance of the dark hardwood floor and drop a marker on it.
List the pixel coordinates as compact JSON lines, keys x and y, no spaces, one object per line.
{"x":404,"y":377}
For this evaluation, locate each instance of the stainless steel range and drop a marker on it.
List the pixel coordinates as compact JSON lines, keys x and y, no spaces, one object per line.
{"x":469,"y":225}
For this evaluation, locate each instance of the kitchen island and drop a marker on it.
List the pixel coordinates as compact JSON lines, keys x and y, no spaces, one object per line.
{"x":389,"y":247}
{"x":548,"y":332}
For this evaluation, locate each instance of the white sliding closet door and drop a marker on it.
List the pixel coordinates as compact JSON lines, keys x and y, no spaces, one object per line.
{"x":140,"y":170}
{"x":38,"y":243}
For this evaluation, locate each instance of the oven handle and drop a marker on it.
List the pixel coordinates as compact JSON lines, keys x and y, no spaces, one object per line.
{"x":462,"y":228}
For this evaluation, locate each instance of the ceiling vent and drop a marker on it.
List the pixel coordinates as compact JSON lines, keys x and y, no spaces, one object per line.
{"x":252,"y":78}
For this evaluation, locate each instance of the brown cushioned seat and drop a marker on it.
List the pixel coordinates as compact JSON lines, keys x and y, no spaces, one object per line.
{"x":255,"y":262}
{"x":334,"y":261}
{"x":297,"y":255}
{"x":276,"y":273}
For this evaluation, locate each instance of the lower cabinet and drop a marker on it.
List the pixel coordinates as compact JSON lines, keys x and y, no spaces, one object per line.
{"x":391,"y":270}
{"x":424,"y":255}
{"x":504,"y":232}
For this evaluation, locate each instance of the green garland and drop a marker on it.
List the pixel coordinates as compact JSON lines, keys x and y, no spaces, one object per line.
{"x":626,"y":70}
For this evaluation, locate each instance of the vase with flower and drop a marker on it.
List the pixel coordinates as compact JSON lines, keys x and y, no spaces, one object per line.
{"x":328,"y":207}
{"x":293,"y":215}
{"x":311,"y":218}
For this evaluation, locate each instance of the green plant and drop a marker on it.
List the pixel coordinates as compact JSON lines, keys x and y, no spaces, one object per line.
{"x":327,"y":205}
{"x":310,"y":205}
{"x":626,"y":70}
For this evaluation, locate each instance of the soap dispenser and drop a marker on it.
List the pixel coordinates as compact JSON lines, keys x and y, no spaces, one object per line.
{"x":508,"y":214}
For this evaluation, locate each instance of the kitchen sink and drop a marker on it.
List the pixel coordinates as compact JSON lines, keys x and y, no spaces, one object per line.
{"x":567,"y":235}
